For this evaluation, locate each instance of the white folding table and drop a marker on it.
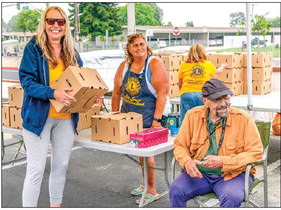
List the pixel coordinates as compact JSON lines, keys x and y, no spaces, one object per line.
{"x":83,"y":139}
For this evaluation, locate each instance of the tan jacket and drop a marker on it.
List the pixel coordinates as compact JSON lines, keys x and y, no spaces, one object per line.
{"x":241,"y":144}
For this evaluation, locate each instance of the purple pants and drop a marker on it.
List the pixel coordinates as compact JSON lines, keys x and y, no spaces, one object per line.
{"x":230,"y":193}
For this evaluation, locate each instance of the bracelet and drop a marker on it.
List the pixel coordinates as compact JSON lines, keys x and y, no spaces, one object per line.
{"x":157,"y":119}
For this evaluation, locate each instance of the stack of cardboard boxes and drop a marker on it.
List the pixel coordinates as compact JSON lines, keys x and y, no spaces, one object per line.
{"x":261,"y":73}
{"x":11,"y":111}
{"x":172,"y":63}
{"x":235,"y":74}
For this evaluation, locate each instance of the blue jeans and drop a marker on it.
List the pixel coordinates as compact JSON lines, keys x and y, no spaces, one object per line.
{"x":230,"y":193}
{"x":188,"y":101}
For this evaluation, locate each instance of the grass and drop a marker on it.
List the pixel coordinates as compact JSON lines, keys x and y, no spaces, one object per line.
{"x":275,"y":51}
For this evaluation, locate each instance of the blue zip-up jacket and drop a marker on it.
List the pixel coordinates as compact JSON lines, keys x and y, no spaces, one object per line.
{"x":34,"y":78}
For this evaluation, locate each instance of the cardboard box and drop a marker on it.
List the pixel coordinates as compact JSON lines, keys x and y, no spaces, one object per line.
{"x":115,"y":127}
{"x":232,"y":60}
{"x":173,"y":76}
{"x":87,"y":85}
{"x":259,"y":87}
{"x":260,"y":59}
{"x":174,"y":90}
{"x":15,"y":117}
{"x":231,"y":75}
{"x":259,"y":73}
{"x":171,"y":62}
{"x":269,"y":85}
{"x":6,"y":114}
{"x":184,"y":57}
{"x":15,"y":96}
{"x":235,"y":87}
{"x":85,"y":118}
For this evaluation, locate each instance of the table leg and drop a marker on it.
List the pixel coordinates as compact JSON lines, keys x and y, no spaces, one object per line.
{"x":166,"y":169}
{"x":141,"y":204}
{"x":2,"y":146}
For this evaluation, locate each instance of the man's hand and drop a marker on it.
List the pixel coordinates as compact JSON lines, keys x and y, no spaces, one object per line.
{"x":191,"y":169}
{"x":64,"y":98}
{"x":212,"y":161}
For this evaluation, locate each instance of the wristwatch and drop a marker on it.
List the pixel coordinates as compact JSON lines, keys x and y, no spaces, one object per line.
{"x":157,"y":119}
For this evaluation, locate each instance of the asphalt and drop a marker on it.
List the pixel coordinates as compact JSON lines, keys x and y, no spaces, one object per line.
{"x":97,"y":179}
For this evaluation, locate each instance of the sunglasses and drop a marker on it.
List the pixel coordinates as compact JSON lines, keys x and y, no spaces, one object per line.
{"x":51,"y":21}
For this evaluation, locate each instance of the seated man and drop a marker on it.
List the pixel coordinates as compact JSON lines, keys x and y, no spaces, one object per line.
{"x":214,"y":145}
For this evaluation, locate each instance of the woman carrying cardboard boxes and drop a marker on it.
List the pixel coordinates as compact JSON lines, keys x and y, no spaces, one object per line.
{"x":142,"y":81}
{"x":45,"y":58}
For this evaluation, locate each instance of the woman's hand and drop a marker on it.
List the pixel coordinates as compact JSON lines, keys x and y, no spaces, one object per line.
{"x":98,"y":100}
{"x":64,"y":98}
{"x":156,"y":124}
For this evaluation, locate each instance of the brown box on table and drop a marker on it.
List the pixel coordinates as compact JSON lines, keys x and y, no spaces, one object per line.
{"x":231,"y":75}
{"x":85,"y":118}
{"x":173,"y":76}
{"x":15,"y":96}
{"x":15,"y":117}
{"x":115,"y":127}
{"x":174,"y":91}
{"x":6,"y":114}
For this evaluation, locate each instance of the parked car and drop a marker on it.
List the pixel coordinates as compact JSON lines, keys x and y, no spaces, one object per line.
{"x":10,"y":47}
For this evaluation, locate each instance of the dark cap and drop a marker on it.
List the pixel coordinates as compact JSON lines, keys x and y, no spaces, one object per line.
{"x":214,"y":89}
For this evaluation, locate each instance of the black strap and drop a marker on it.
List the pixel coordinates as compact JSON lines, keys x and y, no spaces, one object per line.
{"x":222,"y":133}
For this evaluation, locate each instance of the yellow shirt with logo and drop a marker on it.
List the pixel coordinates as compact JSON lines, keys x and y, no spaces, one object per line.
{"x":194,"y":75}
{"x":55,"y":73}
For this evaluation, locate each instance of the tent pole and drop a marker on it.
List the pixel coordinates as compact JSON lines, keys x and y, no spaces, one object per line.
{"x":249,"y":57}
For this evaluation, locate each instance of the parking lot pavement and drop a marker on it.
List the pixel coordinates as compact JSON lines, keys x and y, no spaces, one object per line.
{"x":104,"y":179}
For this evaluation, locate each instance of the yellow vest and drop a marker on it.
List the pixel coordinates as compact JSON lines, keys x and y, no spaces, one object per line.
{"x":55,"y":73}
{"x":194,"y":75}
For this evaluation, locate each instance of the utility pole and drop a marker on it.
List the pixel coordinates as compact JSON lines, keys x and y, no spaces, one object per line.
{"x":76,"y":22}
{"x":131,"y":18}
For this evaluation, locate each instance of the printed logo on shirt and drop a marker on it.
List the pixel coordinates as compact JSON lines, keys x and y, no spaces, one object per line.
{"x":197,"y":72}
{"x":133,"y":86}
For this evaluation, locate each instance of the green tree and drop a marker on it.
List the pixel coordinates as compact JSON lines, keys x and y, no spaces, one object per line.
{"x":158,"y":14}
{"x":147,"y":14}
{"x":28,"y":20}
{"x":261,"y":25}
{"x":12,"y":24}
{"x":96,"y":18}
{"x":275,"y":22}
{"x":189,"y":24}
{"x":4,"y":26}
{"x":237,"y":19}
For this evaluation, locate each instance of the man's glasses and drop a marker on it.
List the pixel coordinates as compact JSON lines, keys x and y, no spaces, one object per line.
{"x":51,"y":21}
{"x":225,"y":98}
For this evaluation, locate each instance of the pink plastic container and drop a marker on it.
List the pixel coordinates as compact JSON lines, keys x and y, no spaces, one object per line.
{"x":149,"y":137}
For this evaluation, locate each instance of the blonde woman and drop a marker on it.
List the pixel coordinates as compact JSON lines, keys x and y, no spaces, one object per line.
{"x":45,"y":58}
{"x":193,"y":73}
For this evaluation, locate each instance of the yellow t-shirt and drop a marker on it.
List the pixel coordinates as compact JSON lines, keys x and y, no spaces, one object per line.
{"x":54,"y":75}
{"x":194,"y":75}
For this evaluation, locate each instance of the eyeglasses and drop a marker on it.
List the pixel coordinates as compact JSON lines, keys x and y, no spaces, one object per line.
{"x":51,"y":21}
{"x":225,"y":98}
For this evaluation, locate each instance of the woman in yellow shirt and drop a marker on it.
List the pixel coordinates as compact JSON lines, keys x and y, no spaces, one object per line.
{"x":193,"y":73}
